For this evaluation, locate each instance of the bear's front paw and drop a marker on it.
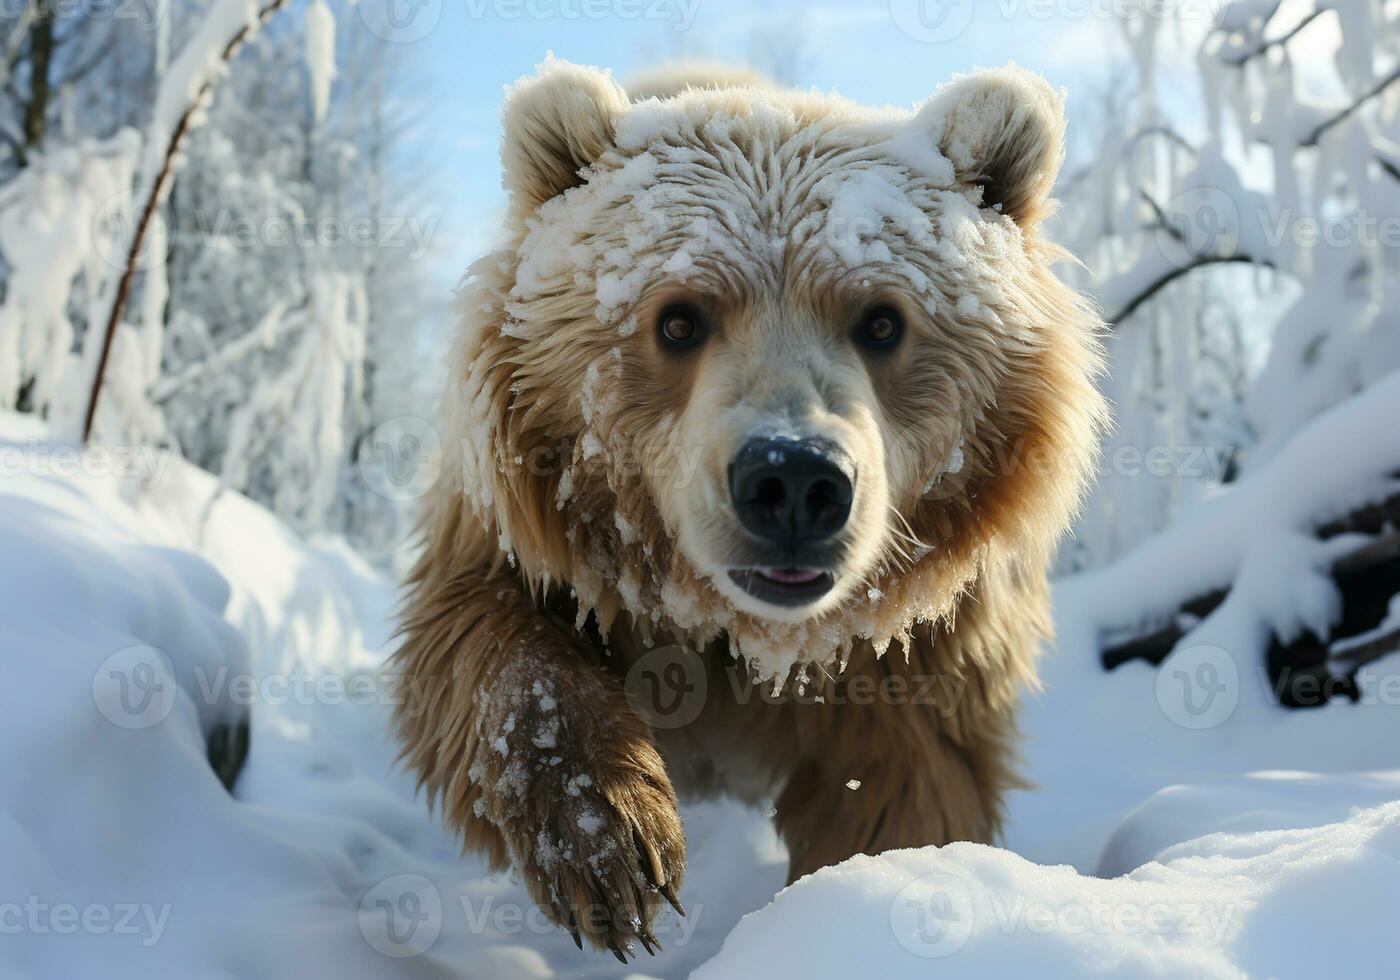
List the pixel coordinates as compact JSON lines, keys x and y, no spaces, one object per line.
{"x":601,"y":852}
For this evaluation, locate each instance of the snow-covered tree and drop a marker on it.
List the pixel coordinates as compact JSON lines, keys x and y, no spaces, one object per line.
{"x":1243,"y":249}
{"x":194,"y":214}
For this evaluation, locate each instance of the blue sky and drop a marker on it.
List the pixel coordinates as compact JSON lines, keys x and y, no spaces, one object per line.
{"x":463,"y":52}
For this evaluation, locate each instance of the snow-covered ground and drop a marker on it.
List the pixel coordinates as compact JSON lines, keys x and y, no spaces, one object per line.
{"x":1172,"y":834}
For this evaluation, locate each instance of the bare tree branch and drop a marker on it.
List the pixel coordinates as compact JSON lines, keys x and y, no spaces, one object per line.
{"x":152,"y":204}
{"x":1263,"y":47}
{"x":1176,"y":272}
{"x":1316,"y":135}
{"x":15,"y":41}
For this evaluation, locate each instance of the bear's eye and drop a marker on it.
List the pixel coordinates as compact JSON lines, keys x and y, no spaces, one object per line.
{"x":880,"y":329}
{"x":680,"y":327}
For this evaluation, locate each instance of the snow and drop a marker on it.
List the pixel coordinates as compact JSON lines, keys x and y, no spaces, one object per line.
{"x":1229,"y":904}
{"x":1154,"y":846}
{"x":320,"y":54}
{"x":196,"y":596}
{"x":60,"y":222}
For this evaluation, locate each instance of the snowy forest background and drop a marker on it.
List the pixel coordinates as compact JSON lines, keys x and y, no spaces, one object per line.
{"x":281,"y":307}
{"x":286,"y":302}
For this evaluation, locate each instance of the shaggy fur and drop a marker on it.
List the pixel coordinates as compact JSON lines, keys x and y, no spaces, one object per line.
{"x":585,"y":523}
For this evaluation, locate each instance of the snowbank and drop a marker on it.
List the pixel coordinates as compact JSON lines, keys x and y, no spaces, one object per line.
{"x":144,"y":607}
{"x":1277,"y":902}
{"x":141,"y":606}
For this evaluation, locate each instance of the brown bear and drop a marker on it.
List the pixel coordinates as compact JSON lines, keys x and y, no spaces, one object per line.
{"x":761,"y":427}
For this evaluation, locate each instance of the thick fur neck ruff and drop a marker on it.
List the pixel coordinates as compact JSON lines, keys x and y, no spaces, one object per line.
{"x":558,"y":449}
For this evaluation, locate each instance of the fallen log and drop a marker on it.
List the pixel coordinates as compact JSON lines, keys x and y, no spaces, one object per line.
{"x":1304,"y":672}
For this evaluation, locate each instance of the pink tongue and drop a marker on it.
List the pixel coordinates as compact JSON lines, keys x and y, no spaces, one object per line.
{"x":791,"y":576}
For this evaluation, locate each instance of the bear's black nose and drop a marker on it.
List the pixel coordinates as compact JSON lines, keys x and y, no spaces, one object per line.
{"x":791,"y":492}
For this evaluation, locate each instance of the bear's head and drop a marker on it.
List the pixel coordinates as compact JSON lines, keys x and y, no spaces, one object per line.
{"x":770,"y":364}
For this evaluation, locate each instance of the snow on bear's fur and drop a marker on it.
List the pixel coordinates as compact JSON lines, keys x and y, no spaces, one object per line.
{"x":586,"y":527}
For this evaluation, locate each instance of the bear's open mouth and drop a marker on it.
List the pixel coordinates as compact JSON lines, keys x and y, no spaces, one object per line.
{"x":784,"y":586}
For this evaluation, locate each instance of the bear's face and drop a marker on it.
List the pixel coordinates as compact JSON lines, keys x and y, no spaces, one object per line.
{"x":753,"y":358}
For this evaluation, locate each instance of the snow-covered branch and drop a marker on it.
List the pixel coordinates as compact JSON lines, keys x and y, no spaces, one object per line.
{"x":1315,"y":137}
{"x":1126,"y":293}
{"x":260,"y":338}
{"x":1261,"y":46}
{"x":182,"y":96}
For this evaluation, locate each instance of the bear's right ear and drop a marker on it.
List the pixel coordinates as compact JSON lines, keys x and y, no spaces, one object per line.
{"x":556,"y":123}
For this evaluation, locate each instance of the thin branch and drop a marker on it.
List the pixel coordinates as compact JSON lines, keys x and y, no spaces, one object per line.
{"x":1177,"y":272}
{"x":262,"y":337}
{"x":152,"y":205}
{"x":1263,"y":26}
{"x":1358,"y":656}
{"x":1167,"y":133}
{"x":1316,"y":135}
{"x":1263,"y":47}
{"x":1163,"y":224}
{"x":15,"y":41}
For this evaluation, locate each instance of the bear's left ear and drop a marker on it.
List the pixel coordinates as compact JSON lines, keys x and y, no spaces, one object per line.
{"x":556,"y":122}
{"x":1003,"y":130}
